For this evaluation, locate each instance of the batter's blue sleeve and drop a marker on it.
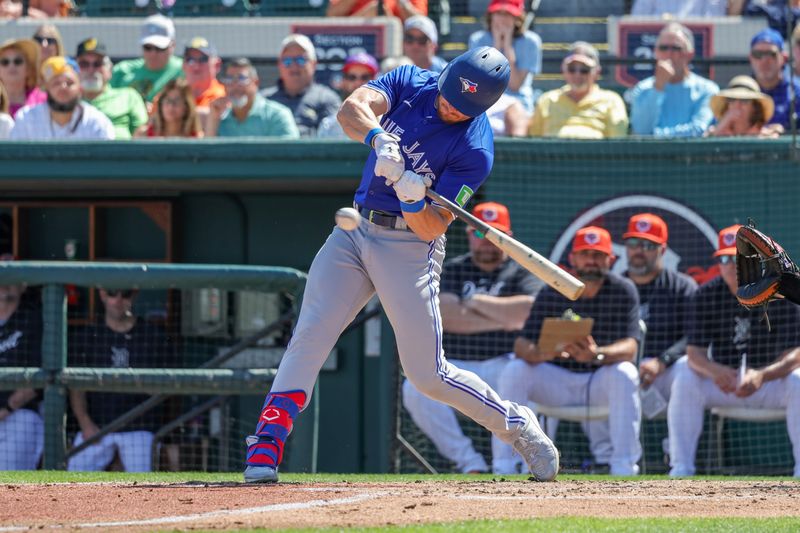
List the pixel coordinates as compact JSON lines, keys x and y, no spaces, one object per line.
{"x":397,"y":84}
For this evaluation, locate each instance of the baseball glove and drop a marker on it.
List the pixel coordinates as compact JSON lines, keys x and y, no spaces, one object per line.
{"x":764,"y":270}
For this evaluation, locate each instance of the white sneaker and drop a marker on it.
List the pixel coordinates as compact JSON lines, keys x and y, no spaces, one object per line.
{"x":538,"y":451}
{"x":624,"y":470}
{"x":680,"y":472}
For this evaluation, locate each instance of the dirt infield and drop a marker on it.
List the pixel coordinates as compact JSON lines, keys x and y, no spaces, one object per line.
{"x":139,"y":507}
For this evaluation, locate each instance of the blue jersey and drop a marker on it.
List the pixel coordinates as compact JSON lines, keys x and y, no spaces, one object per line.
{"x":456,"y":157}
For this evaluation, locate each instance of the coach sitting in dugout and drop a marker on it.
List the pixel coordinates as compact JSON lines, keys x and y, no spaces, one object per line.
{"x":664,"y":298}
{"x":754,"y":362}
{"x":21,"y":426}
{"x":121,"y":340}
{"x":580,"y":109}
{"x":597,"y":370}
{"x":485,"y":299}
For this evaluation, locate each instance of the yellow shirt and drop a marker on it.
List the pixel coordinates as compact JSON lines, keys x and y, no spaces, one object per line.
{"x":599,"y":115}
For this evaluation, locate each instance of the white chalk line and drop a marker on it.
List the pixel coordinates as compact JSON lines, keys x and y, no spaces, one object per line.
{"x":603,"y":498}
{"x":209,"y":515}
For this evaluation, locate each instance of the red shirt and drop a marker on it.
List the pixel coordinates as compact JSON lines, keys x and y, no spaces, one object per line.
{"x":390,"y":7}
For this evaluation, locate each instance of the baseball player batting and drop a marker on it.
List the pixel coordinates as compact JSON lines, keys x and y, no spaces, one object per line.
{"x":434,"y":133}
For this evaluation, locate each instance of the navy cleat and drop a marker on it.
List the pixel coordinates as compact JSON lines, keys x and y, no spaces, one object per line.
{"x":536,"y":448}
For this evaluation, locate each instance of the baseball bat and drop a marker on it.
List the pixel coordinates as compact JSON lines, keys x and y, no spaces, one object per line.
{"x":530,"y":260}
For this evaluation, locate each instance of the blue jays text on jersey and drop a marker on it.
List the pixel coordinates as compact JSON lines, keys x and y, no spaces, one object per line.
{"x":456,"y":157}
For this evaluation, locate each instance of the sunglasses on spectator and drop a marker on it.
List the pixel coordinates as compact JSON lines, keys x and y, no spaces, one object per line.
{"x":670,"y":48}
{"x":90,"y":64}
{"x":200,"y":60}
{"x":173,"y":101}
{"x":578,"y":69}
{"x":239,"y":79}
{"x":641,"y":243}
{"x":18,"y":61}
{"x":760,"y":54}
{"x":124,"y":294}
{"x":44,"y":41}
{"x":725,"y":259}
{"x":153,"y":48}
{"x":356,"y":77}
{"x":300,"y":61}
{"x":410,"y":39}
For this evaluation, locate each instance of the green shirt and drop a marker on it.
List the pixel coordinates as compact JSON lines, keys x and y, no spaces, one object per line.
{"x":132,"y":73}
{"x":266,"y":119}
{"x":124,"y":107}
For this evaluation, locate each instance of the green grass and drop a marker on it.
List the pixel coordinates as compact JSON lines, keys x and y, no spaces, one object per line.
{"x":57,"y":476}
{"x":623,"y":525}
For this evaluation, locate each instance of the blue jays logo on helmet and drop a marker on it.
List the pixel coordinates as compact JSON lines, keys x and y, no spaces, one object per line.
{"x":485,"y":68}
{"x":468,"y":86}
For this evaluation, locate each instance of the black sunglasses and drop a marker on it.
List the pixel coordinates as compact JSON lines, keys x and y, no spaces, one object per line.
{"x":201,"y":60}
{"x":641,"y":243}
{"x":44,"y":41}
{"x":354,"y":77}
{"x":153,"y":48}
{"x":90,"y":64}
{"x":125,"y":294}
{"x":18,"y":61}
{"x":578,"y":69}
{"x":670,"y":48}
{"x":760,"y":54}
{"x":410,"y":39}
{"x":725,"y":259}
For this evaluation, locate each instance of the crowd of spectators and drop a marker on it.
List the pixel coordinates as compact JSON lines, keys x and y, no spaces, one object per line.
{"x":228,"y":99}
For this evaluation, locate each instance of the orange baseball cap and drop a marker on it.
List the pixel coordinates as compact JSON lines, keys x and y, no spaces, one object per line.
{"x":593,"y":238}
{"x":494,"y":214}
{"x":727,"y":241}
{"x":515,"y":7}
{"x":647,"y":226}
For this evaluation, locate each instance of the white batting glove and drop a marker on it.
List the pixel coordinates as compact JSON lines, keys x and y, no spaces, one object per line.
{"x":411,"y":187}
{"x":390,"y":163}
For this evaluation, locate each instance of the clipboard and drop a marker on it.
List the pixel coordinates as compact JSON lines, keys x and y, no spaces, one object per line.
{"x":558,"y":332}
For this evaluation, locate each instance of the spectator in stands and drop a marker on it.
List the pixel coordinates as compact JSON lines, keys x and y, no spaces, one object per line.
{"x":121,"y":341}
{"x":175,"y":113}
{"x":485,"y":300}
{"x":157,"y":66}
{"x":742,"y":109}
{"x":664,"y":298}
{"x":310,"y":102}
{"x":420,"y":42}
{"x":6,"y":122}
{"x":685,"y":8}
{"x":796,"y":52}
{"x":21,"y":426}
{"x":36,"y":9}
{"x":64,"y":116}
{"x":580,"y":109}
{"x":19,"y":60}
{"x":597,"y":370}
{"x":754,"y":362}
{"x":508,"y":117}
{"x":50,"y":42}
{"x":776,"y":12}
{"x":504,"y":21}
{"x":767,"y":60}
{"x":124,"y":106}
{"x":201,"y":65}
{"x":358,"y":69}
{"x":675,"y":101}
{"x":369,"y":8}
{"x":244,"y":112}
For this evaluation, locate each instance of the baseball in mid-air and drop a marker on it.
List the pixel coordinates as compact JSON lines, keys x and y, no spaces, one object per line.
{"x":348,"y":218}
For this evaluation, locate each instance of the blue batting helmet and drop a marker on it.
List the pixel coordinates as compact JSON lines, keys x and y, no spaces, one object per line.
{"x":474,"y":81}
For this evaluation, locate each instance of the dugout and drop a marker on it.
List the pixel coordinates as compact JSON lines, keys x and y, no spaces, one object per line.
{"x":254,"y":202}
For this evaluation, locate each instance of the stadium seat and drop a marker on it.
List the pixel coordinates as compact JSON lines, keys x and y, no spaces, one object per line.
{"x":745,"y":414}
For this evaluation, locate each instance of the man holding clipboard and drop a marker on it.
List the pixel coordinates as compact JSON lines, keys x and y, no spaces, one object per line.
{"x":583,"y":353}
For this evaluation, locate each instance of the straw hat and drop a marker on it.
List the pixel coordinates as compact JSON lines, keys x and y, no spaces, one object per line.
{"x":742,"y":88}
{"x":29,"y":49}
